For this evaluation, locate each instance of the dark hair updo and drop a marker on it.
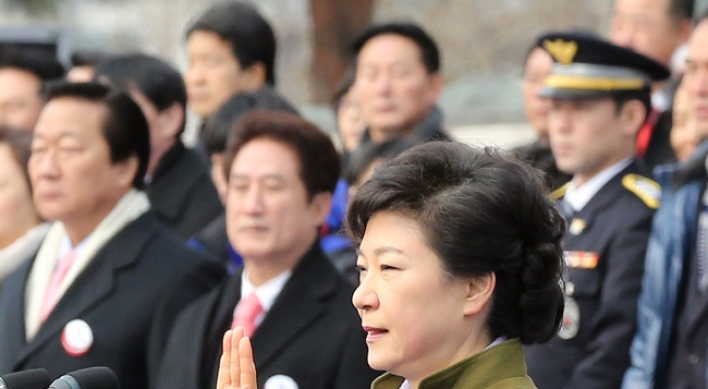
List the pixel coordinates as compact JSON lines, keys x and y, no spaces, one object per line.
{"x":481,"y":212}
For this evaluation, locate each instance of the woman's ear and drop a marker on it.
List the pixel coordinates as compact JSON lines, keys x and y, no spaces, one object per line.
{"x":479,"y":293}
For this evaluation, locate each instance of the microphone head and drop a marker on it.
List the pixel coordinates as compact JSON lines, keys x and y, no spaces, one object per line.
{"x":27,"y":379}
{"x":99,"y":377}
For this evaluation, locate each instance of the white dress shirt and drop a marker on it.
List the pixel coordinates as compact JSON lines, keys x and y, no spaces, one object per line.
{"x":579,"y":196}
{"x":267,"y":293}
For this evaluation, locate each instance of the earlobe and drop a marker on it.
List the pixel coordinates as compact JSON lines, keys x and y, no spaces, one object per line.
{"x":633,"y":117}
{"x":436,"y":86}
{"x":173,"y":118}
{"x":479,"y":293}
{"x":127,"y":171}
{"x":255,"y":76}
{"x":320,"y":206}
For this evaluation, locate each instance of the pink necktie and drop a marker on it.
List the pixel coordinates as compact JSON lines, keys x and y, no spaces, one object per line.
{"x":52,"y":296}
{"x":246,"y":314}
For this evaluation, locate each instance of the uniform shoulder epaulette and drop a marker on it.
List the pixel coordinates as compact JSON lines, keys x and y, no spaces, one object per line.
{"x":560,"y":192}
{"x":647,"y":190}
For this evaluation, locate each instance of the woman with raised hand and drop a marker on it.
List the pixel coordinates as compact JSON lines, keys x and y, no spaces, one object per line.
{"x":460,"y":263}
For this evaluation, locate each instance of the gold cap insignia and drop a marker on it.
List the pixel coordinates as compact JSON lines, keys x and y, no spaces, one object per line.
{"x":562,"y":51}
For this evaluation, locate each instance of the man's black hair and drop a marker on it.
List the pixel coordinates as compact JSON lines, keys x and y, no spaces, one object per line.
{"x":430,"y":54}
{"x":251,"y":37}
{"x":155,"y":79}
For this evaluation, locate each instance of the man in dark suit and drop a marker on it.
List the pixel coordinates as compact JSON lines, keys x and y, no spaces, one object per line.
{"x":281,"y":173}
{"x":656,"y":29}
{"x":398,"y":82}
{"x":90,"y":294}
{"x":600,"y":100}
{"x":179,"y":185}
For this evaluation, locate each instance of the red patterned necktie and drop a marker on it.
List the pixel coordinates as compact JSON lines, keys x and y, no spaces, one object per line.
{"x":246,"y":313}
{"x":52,"y":296}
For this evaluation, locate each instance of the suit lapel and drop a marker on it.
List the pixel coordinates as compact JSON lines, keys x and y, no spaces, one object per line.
{"x":604,"y":198}
{"x":300,"y":303}
{"x":94,"y":283}
{"x":223,"y":317}
{"x":12,"y":324}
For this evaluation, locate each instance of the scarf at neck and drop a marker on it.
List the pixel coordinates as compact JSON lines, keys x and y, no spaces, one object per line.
{"x":134,"y":204}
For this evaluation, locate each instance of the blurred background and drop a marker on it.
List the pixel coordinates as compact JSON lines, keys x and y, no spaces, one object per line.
{"x":483,"y":43}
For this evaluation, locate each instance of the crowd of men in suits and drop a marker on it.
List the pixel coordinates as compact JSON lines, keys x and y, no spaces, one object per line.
{"x":151,"y":250}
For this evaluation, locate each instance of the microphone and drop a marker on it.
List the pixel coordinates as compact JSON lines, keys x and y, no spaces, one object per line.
{"x":99,"y":377}
{"x":28,"y":379}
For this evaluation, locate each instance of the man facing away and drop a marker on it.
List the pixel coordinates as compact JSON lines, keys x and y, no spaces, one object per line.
{"x":669,"y":349}
{"x":178,"y":183}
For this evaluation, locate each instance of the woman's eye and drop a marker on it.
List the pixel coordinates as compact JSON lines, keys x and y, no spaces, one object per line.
{"x":360,"y":269}
{"x":388,"y":267}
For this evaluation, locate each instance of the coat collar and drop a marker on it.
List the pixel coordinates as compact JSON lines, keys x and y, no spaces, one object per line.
{"x":89,"y":288}
{"x":504,"y":362}
{"x":604,"y":198}
{"x":171,"y":186}
{"x":302,"y":300}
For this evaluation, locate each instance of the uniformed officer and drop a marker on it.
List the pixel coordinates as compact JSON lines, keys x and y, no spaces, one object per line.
{"x":600,"y":99}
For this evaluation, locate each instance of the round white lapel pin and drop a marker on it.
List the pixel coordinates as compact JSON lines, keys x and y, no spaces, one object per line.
{"x":77,"y":338}
{"x":280,"y":382}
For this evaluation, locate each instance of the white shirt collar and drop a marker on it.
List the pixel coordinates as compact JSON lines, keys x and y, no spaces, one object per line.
{"x":65,"y":246}
{"x":579,"y":197}
{"x":268,"y":292}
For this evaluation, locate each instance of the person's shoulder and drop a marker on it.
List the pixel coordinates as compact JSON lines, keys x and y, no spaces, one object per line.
{"x":560,"y":192}
{"x":642,"y":191}
{"x":166,"y":246}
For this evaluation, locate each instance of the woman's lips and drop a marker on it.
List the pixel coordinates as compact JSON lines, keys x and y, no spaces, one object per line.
{"x":373,"y":334}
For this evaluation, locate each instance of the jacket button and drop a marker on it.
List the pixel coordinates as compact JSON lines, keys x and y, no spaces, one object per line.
{"x":693,"y":359}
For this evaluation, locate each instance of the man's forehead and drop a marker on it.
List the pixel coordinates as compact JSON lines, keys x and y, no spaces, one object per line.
{"x":399,"y":47}
{"x":641,"y":6}
{"x":71,"y":115}
{"x":15,"y":75}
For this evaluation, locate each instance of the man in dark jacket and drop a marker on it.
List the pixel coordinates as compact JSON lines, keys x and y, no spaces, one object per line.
{"x":656,"y":29}
{"x":90,"y":294}
{"x":212,"y":238}
{"x":669,"y":348}
{"x":178,"y":182}
{"x":231,"y":49}
{"x":600,"y":100}
{"x":292,"y":302}
{"x":398,"y":82}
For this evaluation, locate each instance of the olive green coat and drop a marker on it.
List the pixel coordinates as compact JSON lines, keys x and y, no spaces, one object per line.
{"x":499,"y":367}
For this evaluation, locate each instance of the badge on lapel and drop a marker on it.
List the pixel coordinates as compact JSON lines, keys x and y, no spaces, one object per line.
{"x":577,"y":226}
{"x":77,"y":338}
{"x":571,"y":319}
{"x":280,"y":382}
